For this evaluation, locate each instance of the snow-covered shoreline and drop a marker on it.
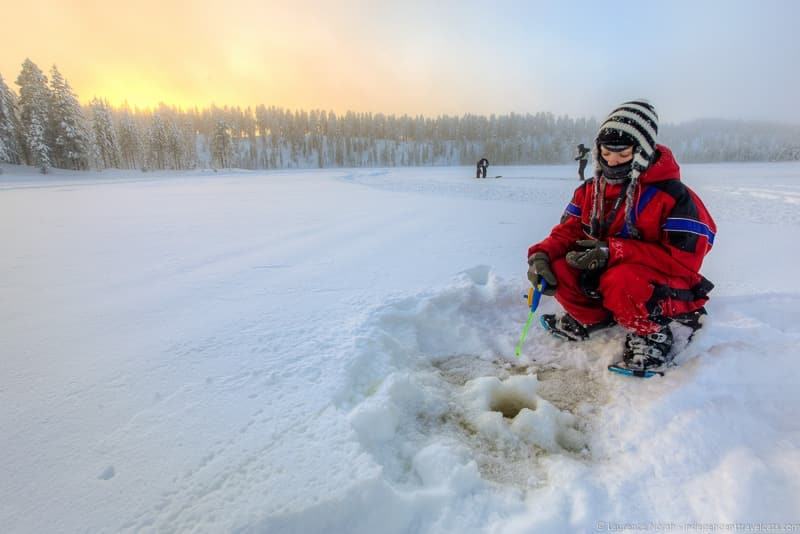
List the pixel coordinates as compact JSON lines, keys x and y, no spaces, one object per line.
{"x":330,"y":350}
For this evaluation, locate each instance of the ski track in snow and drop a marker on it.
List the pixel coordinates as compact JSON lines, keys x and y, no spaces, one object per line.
{"x":312,"y":351}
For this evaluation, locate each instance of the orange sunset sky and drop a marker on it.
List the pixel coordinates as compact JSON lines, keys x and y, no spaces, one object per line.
{"x":729,"y":59}
{"x":292,"y":54}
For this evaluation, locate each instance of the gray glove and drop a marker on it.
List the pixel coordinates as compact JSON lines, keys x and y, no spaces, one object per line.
{"x":592,"y":257}
{"x":539,"y":267}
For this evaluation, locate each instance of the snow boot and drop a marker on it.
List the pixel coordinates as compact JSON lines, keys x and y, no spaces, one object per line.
{"x":568,"y":328}
{"x":652,"y":351}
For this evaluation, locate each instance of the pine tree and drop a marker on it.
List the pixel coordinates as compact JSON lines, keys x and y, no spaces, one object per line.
{"x":68,"y":137}
{"x":128,"y":140}
{"x":175,"y":145}
{"x":34,"y":99}
{"x":157,"y":143}
{"x":105,"y":137}
{"x":221,"y":145}
{"x":9,"y":125}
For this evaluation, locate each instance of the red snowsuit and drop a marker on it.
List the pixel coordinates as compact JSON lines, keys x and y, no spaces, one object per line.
{"x":646,"y":280}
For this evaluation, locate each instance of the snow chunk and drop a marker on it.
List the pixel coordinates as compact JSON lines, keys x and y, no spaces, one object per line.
{"x":374,"y":422}
{"x":439,"y":464}
{"x":107,"y":473}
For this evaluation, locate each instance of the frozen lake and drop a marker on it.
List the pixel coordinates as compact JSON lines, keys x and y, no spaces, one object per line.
{"x":323,"y":350}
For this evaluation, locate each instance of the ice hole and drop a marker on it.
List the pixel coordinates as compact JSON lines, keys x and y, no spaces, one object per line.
{"x":510,"y":403}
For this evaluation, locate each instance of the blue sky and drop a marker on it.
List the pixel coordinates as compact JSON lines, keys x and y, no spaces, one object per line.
{"x":692,"y":59}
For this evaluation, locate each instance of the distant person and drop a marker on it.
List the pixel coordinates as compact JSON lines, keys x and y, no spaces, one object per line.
{"x":582,"y":156}
{"x":629,"y":246}
{"x":483,"y":164}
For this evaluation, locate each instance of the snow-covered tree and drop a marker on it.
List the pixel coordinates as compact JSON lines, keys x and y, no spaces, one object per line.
{"x":68,"y":136}
{"x":106,"y":149}
{"x":175,"y":145}
{"x":221,"y":147}
{"x":34,"y":101}
{"x":157,"y":143}
{"x":128,"y":140}
{"x":9,"y":125}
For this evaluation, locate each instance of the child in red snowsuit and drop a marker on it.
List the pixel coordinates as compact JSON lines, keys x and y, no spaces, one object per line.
{"x":630,"y":244}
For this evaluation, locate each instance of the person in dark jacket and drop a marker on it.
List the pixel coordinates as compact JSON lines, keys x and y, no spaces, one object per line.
{"x":582,"y":156}
{"x":630,"y":244}
{"x":483,"y":164}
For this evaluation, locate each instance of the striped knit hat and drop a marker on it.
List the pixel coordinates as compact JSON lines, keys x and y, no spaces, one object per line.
{"x":633,"y":123}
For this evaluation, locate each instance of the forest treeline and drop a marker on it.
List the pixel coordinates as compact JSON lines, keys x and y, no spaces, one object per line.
{"x":43,"y":123}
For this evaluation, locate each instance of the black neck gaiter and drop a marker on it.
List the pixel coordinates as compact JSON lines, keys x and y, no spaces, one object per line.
{"x":616,"y":174}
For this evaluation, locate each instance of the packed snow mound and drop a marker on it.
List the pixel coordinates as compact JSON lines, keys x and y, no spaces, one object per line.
{"x":438,"y":401}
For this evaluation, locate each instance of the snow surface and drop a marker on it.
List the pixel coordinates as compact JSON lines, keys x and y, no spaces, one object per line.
{"x":332,"y":351}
